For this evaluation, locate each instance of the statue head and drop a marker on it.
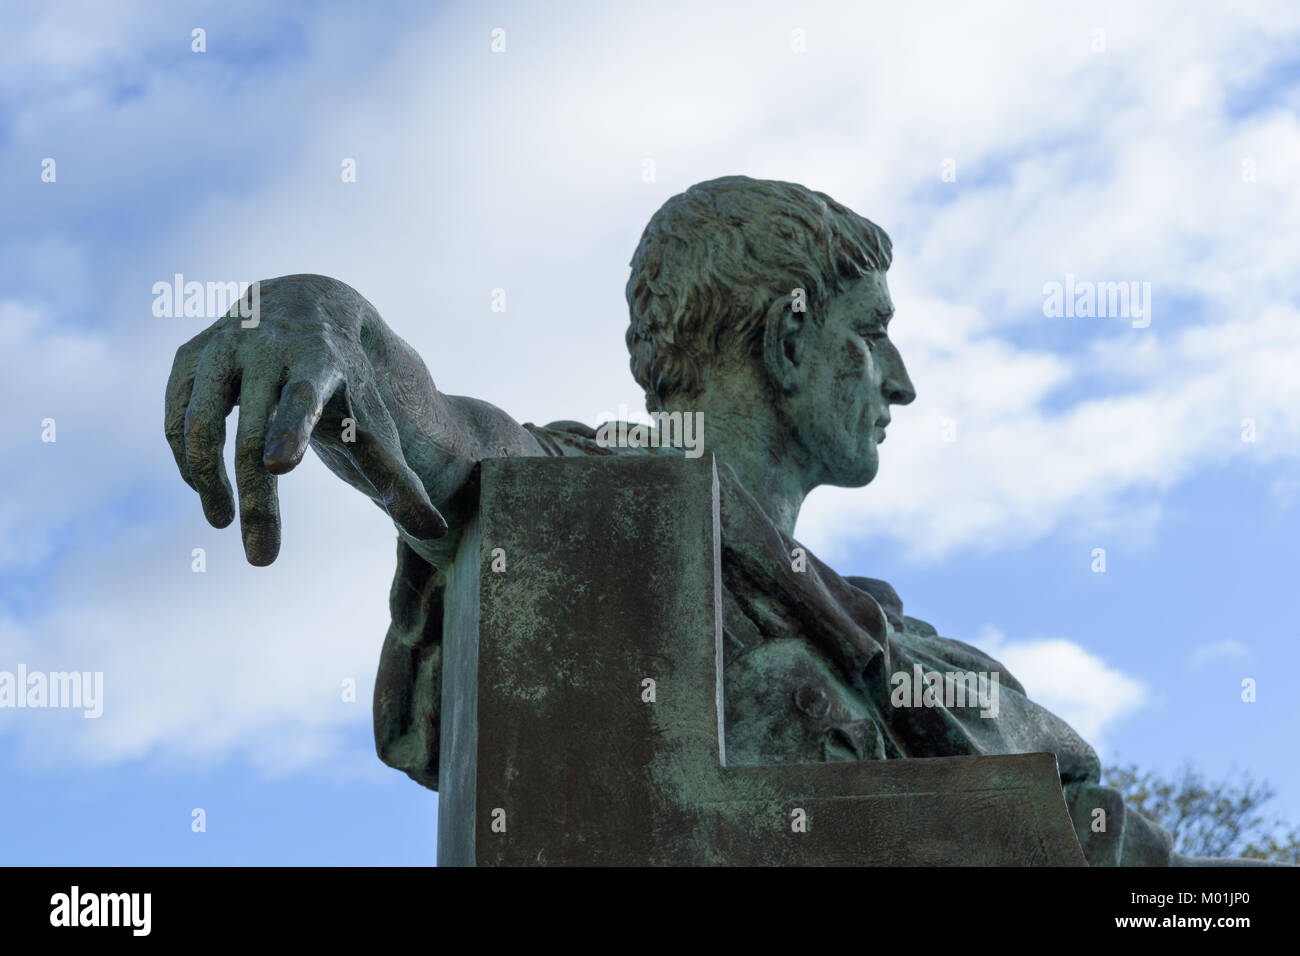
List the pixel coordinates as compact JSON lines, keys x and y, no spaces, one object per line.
{"x":775,"y":294}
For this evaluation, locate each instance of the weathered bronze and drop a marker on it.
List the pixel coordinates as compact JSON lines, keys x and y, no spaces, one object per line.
{"x":760,"y":314}
{"x":582,"y":720}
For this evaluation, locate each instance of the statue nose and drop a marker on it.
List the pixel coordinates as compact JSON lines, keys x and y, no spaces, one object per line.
{"x":898,"y":389}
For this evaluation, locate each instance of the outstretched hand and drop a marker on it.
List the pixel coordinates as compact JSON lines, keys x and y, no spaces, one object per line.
{"x":300,"y":375}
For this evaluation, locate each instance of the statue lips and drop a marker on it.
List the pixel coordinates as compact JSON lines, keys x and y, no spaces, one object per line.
{"x":880,"y":428}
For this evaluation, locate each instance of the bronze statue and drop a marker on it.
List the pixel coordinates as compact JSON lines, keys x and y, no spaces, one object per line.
{"x":759,"y":309}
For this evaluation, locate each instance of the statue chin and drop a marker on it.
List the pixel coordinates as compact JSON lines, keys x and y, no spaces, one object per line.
{"x":853,"y":472}
{"x":844,"y":460}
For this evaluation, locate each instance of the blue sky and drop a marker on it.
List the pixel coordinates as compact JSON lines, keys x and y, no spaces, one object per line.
{"x":1118,"y":156}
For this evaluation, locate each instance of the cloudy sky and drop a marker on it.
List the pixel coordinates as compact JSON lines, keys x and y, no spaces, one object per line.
{"x":1003,"y":150}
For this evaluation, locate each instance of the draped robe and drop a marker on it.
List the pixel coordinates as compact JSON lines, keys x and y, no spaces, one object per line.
{"x":808,"y":661}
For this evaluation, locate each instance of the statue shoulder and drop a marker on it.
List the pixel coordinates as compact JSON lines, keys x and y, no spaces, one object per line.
{"x":566,"y":439}
{"x":574,"y":439}
{"x":916,"y":626}
{"x":884,"y":594}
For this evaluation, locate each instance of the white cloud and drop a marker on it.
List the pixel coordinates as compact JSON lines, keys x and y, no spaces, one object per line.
{"x":1225,"y":650}
{"x":235,"y":659}
{"x":1076,"y":685}
{"x":523,"y":171}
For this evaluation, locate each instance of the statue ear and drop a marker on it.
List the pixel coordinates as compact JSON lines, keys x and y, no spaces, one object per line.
{"x":783,"y":342}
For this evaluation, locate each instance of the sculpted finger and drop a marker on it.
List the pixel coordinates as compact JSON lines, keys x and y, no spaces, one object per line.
{"x":377,"y":454}
{"x":259,"y":508}
{"x":179,"y":386}
{"x":301,"y":404}
{"x":215,"y":390}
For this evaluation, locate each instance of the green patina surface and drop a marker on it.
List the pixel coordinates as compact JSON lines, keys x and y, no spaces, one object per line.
{"x":761,"y":311}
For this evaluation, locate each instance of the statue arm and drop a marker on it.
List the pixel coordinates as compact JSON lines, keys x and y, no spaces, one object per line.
{"x":316,"y":365}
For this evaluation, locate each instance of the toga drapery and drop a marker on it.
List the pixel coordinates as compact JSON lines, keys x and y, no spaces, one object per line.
{"x":810,"y":671}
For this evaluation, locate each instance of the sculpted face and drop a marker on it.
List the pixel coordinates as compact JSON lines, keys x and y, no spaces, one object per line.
{"x":847,"y":375}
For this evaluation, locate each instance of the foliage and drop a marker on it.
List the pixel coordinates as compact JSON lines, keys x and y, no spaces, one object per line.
{"x":1222,"y":818}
